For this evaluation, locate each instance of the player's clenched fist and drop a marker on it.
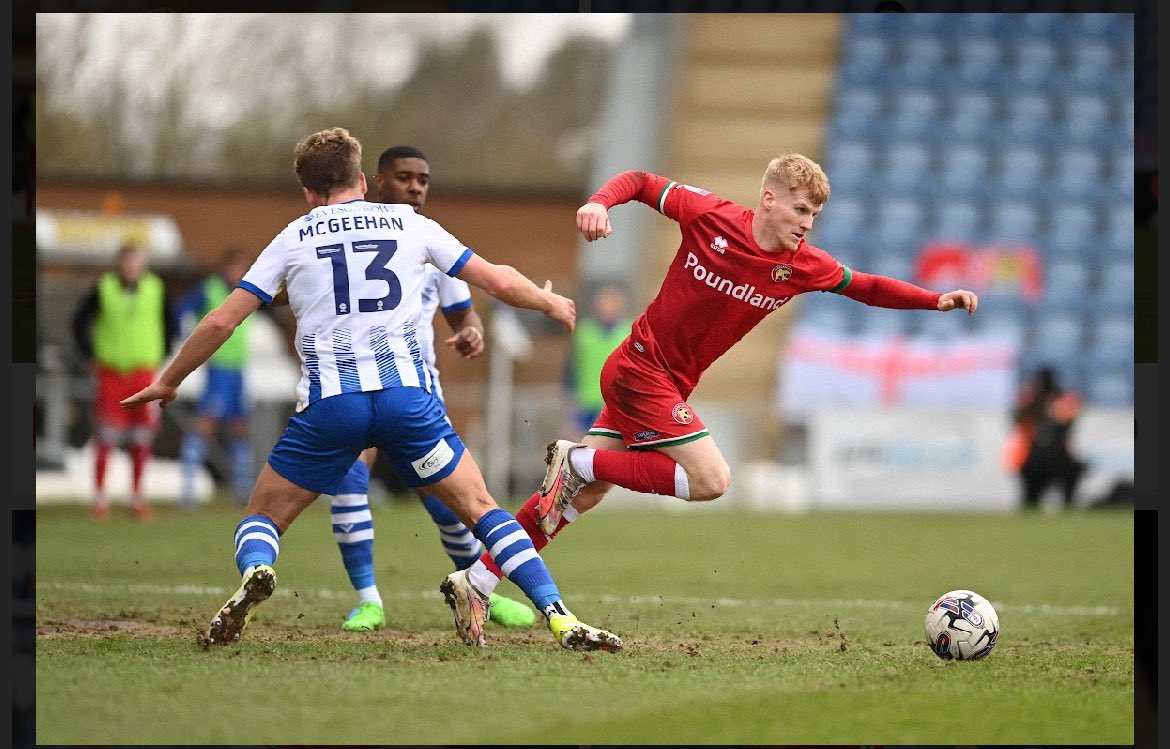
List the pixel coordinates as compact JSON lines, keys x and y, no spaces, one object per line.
{"x":961,"y":299}
{"x":593,"y":221}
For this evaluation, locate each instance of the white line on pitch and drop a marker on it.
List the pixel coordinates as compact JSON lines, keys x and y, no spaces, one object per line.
{"x":325,"y":593}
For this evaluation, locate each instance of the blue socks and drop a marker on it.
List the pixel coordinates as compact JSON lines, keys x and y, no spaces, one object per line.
{"x":353,"y":525}
{"x":257,"y":542}
{"x":512,"y":550}
{"x":459,"y":543}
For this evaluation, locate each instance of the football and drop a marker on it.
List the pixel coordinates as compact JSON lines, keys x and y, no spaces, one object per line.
{"x":961,"y":625}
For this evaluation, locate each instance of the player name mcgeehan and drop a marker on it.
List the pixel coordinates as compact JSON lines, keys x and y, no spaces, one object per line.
{"x":346,"y":223}
{"x":744,"y":292}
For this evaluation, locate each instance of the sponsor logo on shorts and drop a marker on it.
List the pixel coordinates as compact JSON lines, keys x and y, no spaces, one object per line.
{"x":641,"y":349}
{"x":781,"y":273}
{"x":649,"y":434}
{"x":682,"y":413}
{"x":434,"y":461}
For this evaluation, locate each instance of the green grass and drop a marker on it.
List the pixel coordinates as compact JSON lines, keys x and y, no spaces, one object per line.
{"x":738,"y":629}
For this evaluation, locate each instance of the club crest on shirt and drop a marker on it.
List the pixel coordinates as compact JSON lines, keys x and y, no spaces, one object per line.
{"x":719,"y":244}
{"x":682,"y":413}
{"x":781,"y":273}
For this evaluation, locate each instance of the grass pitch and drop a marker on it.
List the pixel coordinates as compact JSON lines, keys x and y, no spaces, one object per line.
{"x":740,"y":629}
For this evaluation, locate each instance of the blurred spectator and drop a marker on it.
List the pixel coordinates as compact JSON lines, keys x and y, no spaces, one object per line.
{"x":594,"y":340}
{"x":123,"y":332}
{"x":1038,"y":448}
{"x":224,"y":401}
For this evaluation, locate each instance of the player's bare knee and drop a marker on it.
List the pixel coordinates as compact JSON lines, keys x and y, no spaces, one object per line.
{"x":711,"y":484}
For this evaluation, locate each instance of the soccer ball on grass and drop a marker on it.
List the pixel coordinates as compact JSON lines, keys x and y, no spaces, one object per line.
{"x":961,"y":625}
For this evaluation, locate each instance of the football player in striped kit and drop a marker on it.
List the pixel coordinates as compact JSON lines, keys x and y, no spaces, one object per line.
{"x":354,"y":272}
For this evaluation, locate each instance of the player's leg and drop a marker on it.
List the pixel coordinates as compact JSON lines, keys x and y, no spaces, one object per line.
{"x":143,"y":427}
{"x":464,"y":549}
{"x":274,"y":504}
{"x":111,"y":423}
{"x":237,"y":415}
{"x":353,"y":529}
{"x":311,"y":457}
{"x":509,"y":546}
{"x":485,"y":575}
{"x":193,"y":454}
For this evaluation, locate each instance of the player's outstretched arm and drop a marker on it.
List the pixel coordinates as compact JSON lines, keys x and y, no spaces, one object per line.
{"x":205,"y":340}
{"x":513,"y":288}
{"x":961,"y":299}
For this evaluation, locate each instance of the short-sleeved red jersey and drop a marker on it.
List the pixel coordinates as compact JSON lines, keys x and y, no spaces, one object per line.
{"x":721,"y":284}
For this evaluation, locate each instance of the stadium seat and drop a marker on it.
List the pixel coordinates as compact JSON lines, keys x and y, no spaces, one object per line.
{"x":922,"y":60}
{"x":1110,"y":388}
{"x":1057,"y":336}
{"x":1013,"y":221}
{"x":1027,"y":117}
{"x":1066,"y":278}
{"x":906,"y":166}
{"x":859,"y":114}
{"x":915,"y":114}
{"x":1072,"y":229}
{"x":1111,"y":342}
{"x":1120,"y":227}
{"x":1036,"y":25}
{"x":877,"y":322}
{"x":991,"y":318}
{"x":978,"y":59}
{"x":866,"y":55}
{"x":963,"y":168}
{"x":899,"y":224}
{"x":1090,"y":63}
{"x":891,"y":263}
{"x":971,"y":116}
{"x":957,"y":219}
{"x":851,"y":163}
{"x":1085,"y":119}
{"x":844,"y":223}
{"x":1115,"y":288}
{"x":825,"y":312}
{"x":1021,"y":171}
{"x":947,"y":326}
{"x":1120,"y":169}
{"x":1034,"y":63}
{"x":1077,"y":173}
{"x":1070,"y":369}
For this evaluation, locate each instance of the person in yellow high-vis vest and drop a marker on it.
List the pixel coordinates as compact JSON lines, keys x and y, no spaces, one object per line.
{"x":593,"y":341}
{"x":224,"y":400}
{"x":123,"y":332}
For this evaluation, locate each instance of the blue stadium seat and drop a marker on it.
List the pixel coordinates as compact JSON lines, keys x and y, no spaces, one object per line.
{"x":1077,"y":173}
{"x":859,"y":114}
{"x":1072,"y":229}
{"x":1033,"y":25}
{"x":899,"y":224}
{"x":851,"y":163}
{"x":1110,"y":388}
{"x":1027,"y":117}
{"x":1070,"y":369}
{"x":906,"y":166}
{"x":1085,"y":119}
{"x":877,"y":322}
{"x":941,"y":327}
{"x":963,"y":168}
{"x":890,"y":263}
{"x":1066,"y":278}
{"x":844,"y":219}
{"x":923,"y":58}
{"x":978,"y":59}
{"x":866,"y":55}
{"x":915,"y":113}
{"x":958,"y":219}
{"x":1120,"y":168}
{"x":1111,"y":342}
{"x":1090,"y":63}
{"x":992,"y":318}
{"x":980,"y":24}
{"x":971,"y":116}
{"x":927,"y":24}
{"x":1115,"y":288}
{"x":1120,"y":229}
{"x":1034,"y":63}
{"x":1013,"y":221}
{"x":1021,"y":172}
{"x":1057,"y":336}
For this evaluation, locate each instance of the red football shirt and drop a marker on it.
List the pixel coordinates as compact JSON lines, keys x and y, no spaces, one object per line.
{"x":721,"y":284}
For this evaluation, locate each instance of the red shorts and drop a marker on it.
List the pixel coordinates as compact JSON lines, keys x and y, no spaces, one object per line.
{"x":643,"y":405}
{"x":112,"y":388}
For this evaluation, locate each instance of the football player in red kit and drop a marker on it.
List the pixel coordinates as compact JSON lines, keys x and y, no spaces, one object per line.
{"x":735,"y":265}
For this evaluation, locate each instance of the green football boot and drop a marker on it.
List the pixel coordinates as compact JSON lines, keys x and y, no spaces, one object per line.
{"x":510,"y":613}
{"x":367,"y":617}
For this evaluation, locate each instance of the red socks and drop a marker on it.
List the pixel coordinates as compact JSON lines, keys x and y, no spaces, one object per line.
{"x":642,"y":471}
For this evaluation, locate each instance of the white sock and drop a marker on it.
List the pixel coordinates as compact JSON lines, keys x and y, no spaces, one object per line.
{"x":369,"y":594}
{"x":682,"y":485}
{"x":570,"y":514}
{"x":483,"y":579}
{"x":582,"y":461}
